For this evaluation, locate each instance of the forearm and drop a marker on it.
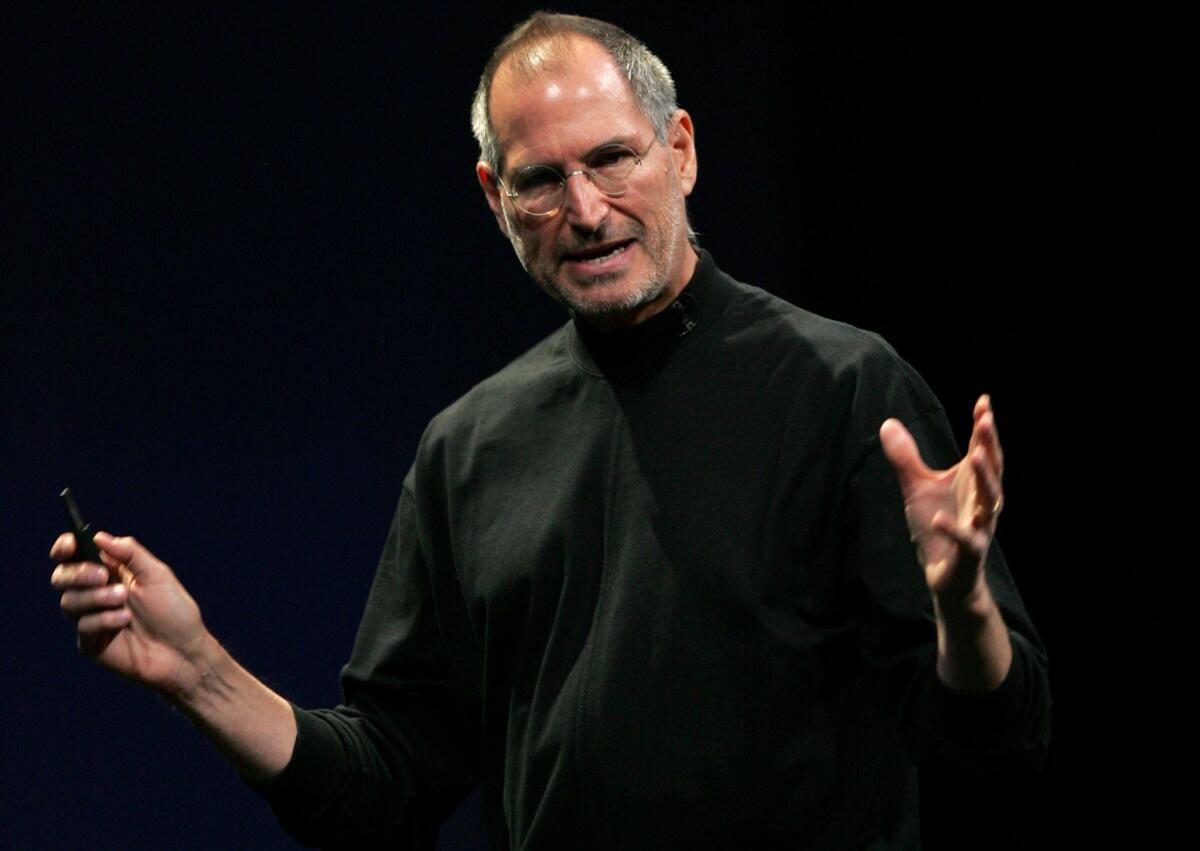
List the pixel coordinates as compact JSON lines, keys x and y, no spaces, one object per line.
{"x":251,"y":725}
{"x":974,"y":648}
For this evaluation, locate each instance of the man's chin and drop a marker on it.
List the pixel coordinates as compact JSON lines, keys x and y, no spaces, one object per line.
{"x":603,"y":298}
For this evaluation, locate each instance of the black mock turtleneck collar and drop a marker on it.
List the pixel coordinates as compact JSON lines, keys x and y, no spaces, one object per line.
{"x":699,"y":303}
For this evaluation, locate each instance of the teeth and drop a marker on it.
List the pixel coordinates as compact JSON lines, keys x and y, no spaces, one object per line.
{"x":605,"y":255}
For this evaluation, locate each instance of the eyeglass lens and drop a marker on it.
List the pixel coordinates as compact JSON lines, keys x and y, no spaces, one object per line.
{"x":540,"y":189}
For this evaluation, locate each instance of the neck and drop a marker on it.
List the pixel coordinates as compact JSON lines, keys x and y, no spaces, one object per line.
{"x":629,"y":318}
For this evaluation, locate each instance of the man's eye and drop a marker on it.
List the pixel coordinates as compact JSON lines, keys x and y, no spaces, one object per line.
{"x":610,"y":157}
{"x":535,"y":180}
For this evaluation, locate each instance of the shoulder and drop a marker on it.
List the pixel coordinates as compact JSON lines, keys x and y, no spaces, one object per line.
{"x":509,"y":398}
{"x":827,"y":382}
{"x":852,"y":364}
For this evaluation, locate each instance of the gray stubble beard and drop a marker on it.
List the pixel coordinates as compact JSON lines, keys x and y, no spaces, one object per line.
{"x":650,"y":290}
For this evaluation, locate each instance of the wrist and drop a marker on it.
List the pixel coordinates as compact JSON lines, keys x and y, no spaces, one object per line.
{"x":199,"y":672}
{"x":252,"y":726}
{"x":966,"y":610}
{"x":974,"y":650}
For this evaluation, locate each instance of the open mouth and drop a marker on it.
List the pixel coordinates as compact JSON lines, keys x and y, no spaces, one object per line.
{"x":600,"y":253}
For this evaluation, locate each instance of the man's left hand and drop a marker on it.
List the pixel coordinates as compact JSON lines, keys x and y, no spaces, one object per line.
{"x":951,"y":519}
{"x":951,"y":513}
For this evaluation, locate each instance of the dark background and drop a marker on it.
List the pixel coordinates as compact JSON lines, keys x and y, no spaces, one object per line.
{"x":245,"y":260}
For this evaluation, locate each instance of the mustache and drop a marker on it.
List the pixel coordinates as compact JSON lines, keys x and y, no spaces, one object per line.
{"x":577,"y":243}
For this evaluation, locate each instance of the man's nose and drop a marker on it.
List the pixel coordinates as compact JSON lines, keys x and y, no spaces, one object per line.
{"x":585,"y":206}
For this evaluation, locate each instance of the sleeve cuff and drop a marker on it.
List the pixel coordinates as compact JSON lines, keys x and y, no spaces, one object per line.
{"x":991,"y":728}
{"x":304,"y":784}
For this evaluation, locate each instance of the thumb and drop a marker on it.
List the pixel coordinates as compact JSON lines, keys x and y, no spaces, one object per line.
{"x":901,"y":451}
{"x":127,"y":551}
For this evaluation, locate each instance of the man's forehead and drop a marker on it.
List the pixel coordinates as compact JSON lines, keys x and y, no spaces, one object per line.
{"x":553,"y":78}
{"x":551,"y":64}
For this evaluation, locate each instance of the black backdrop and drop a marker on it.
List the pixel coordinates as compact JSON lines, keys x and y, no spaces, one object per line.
{"x":246,"y":260}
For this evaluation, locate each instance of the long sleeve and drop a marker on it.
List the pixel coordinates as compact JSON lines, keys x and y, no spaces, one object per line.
{"x":659,"y":589}
{"x":386,"y":767}
{"x":1006,"y":728}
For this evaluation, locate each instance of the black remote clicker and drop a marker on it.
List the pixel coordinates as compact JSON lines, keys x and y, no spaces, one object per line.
{"x":85,"y":547}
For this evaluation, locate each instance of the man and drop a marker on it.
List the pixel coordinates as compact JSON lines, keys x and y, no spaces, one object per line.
{"x":652,"y":583}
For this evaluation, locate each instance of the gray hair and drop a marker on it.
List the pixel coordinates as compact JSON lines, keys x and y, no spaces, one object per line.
{"x":648,"y":77}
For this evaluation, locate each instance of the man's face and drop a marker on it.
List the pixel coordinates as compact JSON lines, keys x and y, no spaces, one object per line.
{"x":614,"y":260}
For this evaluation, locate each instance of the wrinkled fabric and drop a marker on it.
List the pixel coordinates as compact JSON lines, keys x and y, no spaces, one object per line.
{"x":655,"y":589}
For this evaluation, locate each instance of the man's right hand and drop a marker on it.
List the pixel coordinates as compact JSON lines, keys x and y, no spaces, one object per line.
{"x":145,"y":625}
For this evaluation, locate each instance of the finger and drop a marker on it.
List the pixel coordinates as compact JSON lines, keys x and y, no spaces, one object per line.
{"x":78,"y":575}
{"x":992,"y":443}
{"x":982,"y":405}
{"x":80,"y":602}
{"x":127,"y":552}
{"x":901,"y":450}
{"x":64,"y":547}
{"x":984,"y":432}
{"x":989,"y":492}
{"x":974,"y":541}
{"x":98,"y":623}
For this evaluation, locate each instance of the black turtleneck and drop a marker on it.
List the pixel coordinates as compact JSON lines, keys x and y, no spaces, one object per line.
{"x":636,"y":348}
{"x":654,"y":589}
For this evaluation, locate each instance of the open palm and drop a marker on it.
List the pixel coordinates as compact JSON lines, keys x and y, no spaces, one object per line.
{"x":951,"y":513}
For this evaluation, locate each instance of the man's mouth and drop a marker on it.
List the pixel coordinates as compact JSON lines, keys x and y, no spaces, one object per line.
{"x":599,"y":253}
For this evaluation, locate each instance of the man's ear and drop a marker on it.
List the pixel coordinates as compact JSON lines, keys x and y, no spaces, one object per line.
{"x":681,"y":140}
{"x":491,"y":191}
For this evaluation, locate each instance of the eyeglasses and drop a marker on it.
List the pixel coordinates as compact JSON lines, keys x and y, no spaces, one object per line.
{"x":541,"y":190}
